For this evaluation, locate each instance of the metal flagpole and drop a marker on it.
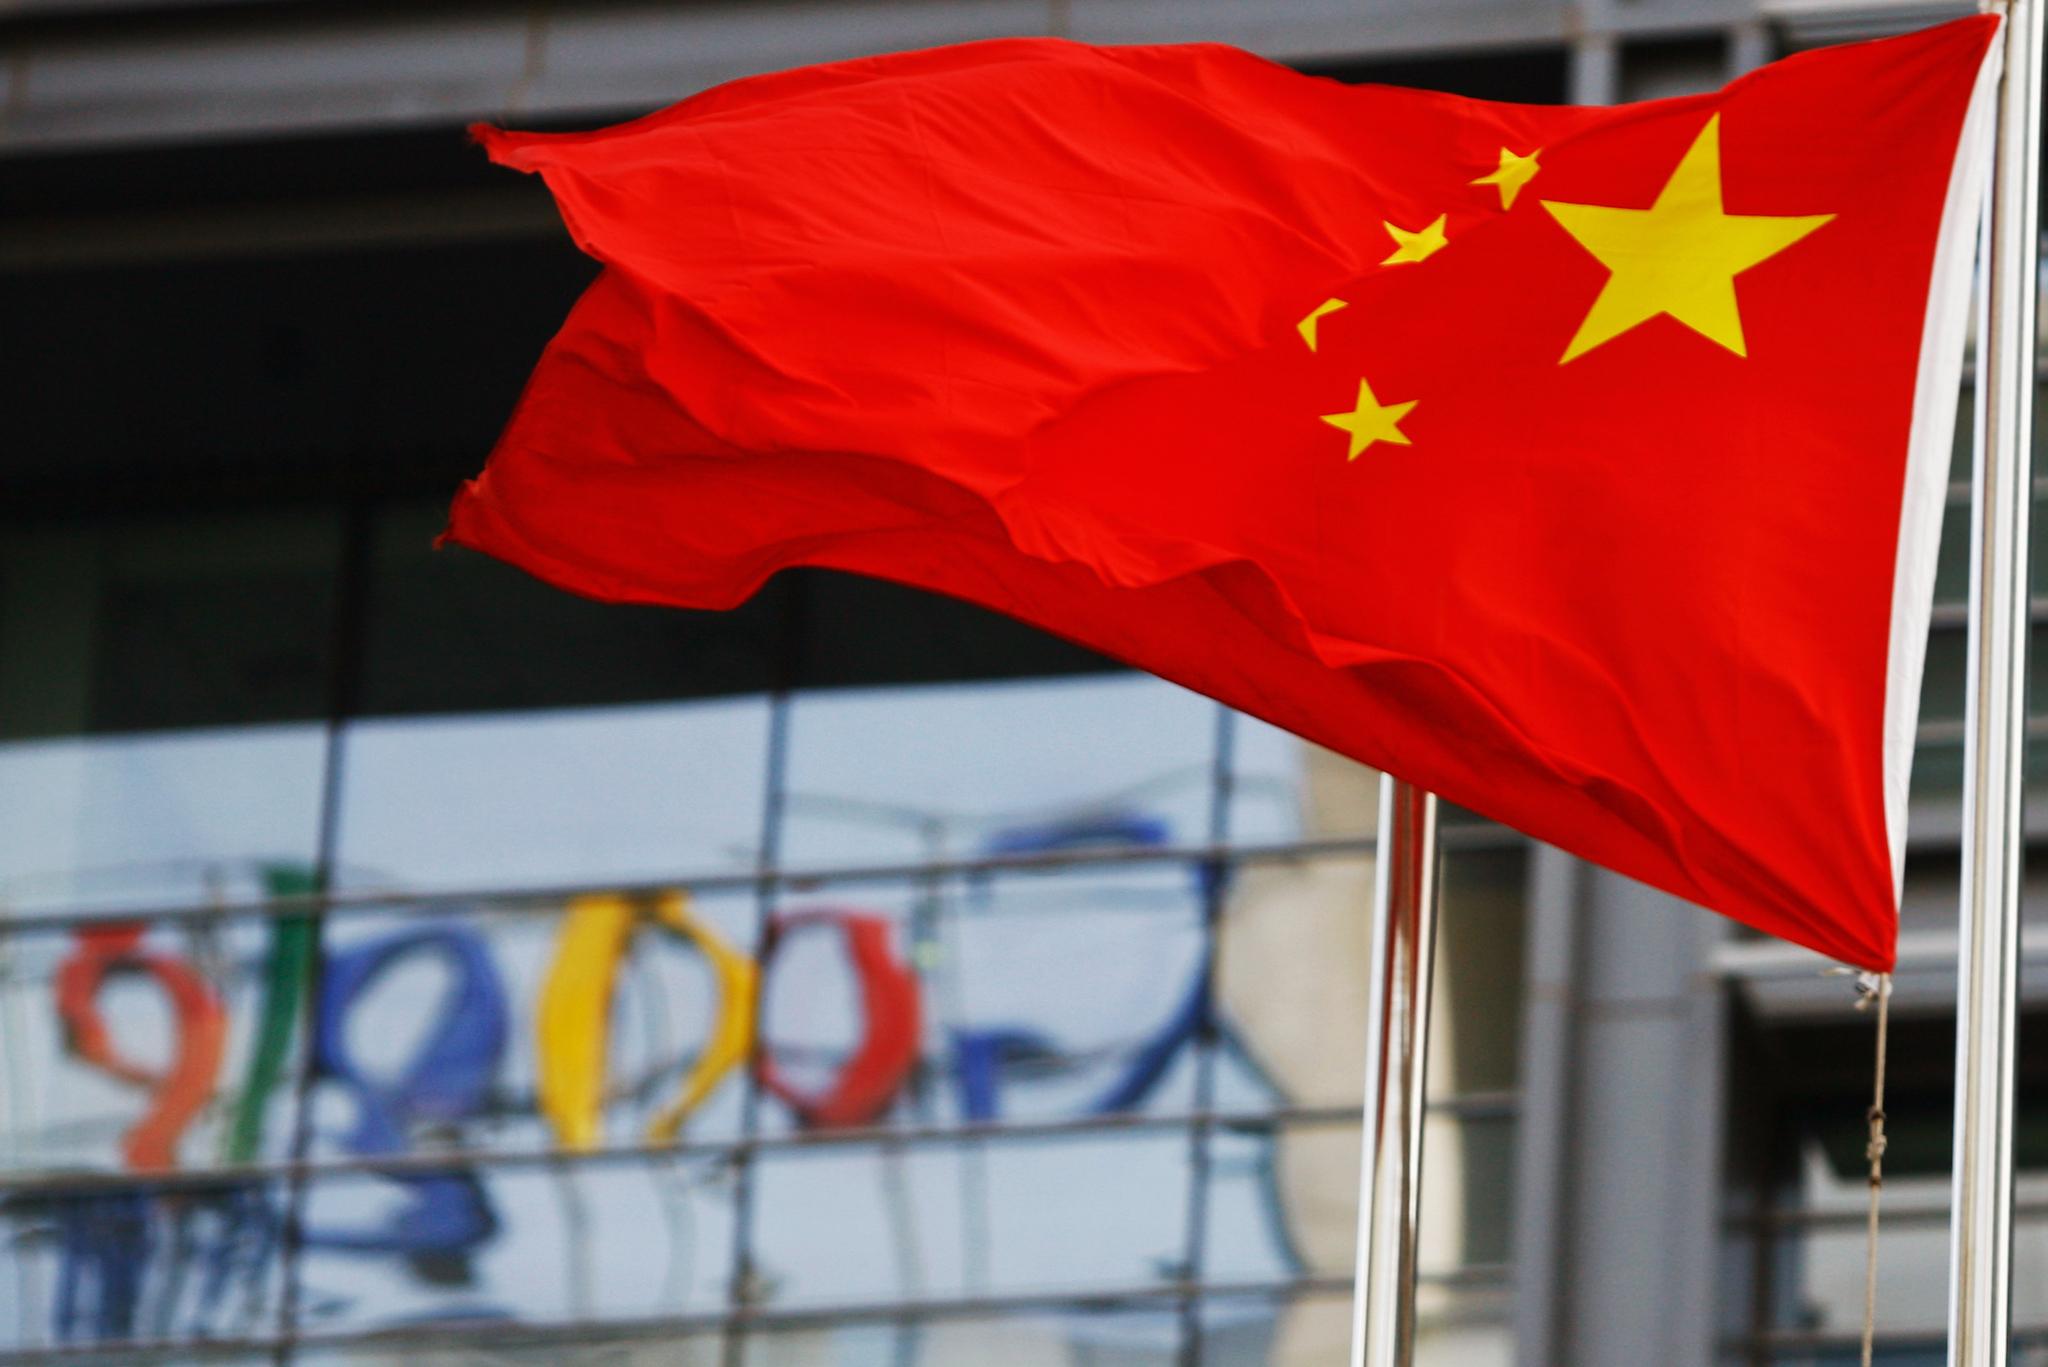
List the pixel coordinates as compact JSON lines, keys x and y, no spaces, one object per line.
{"x":1987,"y":968}
{"x":1396,"y":1064}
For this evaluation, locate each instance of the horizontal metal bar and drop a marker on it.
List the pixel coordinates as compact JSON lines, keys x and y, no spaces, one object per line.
{"x":746,"y":1318}
{"x":1467,"y":836}
{"x":1959,"y":489}
{"x":1956,"y":616}
{"x":1791,"y":1220}
{"x":1949,"y":731}
{"x":1471,"y":1277}
{"x":1802,"y":1221}
{"x":43,"y":1184}
{"x":73,"y":83}
{"x":1849,"y":1340}
{"x":1495,"y":1105}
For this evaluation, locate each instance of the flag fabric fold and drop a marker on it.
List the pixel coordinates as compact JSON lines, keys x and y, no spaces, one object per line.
{"x":1583,"y":466}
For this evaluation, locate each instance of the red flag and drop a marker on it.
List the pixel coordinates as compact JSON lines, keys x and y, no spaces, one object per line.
{"x":1584,"y":466}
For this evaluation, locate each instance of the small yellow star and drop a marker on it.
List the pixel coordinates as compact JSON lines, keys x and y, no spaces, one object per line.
{"x":1513,"y":174}
{"x":1307,"y":326}
{"x":1416,"y":246}
{"x":1371,"y":421}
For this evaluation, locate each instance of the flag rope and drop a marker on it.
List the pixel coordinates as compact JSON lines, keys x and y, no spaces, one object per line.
{"x":1879,"y":987}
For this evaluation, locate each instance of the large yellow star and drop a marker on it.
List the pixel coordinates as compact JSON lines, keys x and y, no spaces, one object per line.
{"x":1679,"y":256}
{"x":1415,"y":246}
{"x":1513,"y":174}
{"x":1371,"y":421}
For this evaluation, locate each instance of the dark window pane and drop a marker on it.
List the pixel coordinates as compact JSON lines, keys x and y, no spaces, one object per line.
{"x":454,"y":631}
{"x":147,"y":624}
{"x":1523,"y":76}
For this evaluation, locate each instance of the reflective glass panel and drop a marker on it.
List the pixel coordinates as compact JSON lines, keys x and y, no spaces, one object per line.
{"x":1036,"y":1216}
{"x":960,"y":770}
{"x":1067,"y":994}
{"x":1025,"y":1338}
{"x":595,"y":796}
{"x":180,"y":818}
{"x":149,"y":1046}
{"x":520,"y":1243}
{"x":124,"y":1264}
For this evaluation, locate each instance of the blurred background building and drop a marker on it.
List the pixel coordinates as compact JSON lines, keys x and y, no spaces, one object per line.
{"x":1062,"y":968}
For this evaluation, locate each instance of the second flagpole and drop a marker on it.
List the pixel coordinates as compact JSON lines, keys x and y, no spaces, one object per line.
{"x":1403,"y":949}
{"x":1987,"y":970}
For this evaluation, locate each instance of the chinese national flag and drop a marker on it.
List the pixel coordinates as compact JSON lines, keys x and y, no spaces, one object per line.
{"x":1584,"y":466}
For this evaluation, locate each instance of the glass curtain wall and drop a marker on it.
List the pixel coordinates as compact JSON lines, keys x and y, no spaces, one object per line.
{"x":400,"y":960}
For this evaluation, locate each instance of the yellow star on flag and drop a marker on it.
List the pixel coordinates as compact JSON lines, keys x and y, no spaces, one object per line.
{"x":1371,"y":421}
{"x":1679,"y":256}
{"x":1307,"y":326}
{"x":1415,"y":246}
{"x":1514,"y":172}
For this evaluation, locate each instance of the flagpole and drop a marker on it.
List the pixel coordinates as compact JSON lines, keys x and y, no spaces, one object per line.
{"x":1403,"y":947}
{"x":1987,"y":967}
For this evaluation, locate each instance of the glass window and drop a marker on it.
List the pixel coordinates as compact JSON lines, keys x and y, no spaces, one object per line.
{"x":132,"y":624}
{"x":1799,"y":1187}
{"x":1074,"y":993}
{"x":959,"y":770}
{"x":116,"y":1040}
{"x":593,"y":796}
{"x":453,"y":631}
{"x":848,"y":1030}
{"x":1952,"y":567}
{"x":173,"y":818}
{"x":1103,"y":1210}
{"x":119,"y":1264}
{"x":523,"y":1243}
{"x":1941,"y":697}
{"x":1284,"y":788}
{"x":1027,"y":1338}
{"x":896,"y":1216}
{"x":155,"y":678}
{"x":1456,"y":1326}
{"x":511,"y":1344}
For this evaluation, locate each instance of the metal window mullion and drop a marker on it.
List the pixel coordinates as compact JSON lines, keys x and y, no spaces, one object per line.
{"x":348,"y":635}
{"x":1223,"y":755}
{"x":741,"y":1281}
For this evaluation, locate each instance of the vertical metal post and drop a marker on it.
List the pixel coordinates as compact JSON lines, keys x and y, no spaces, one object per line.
{"x":1403,"y":949}
{"x":347,"y":641}
{"x":1987,"y":968}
